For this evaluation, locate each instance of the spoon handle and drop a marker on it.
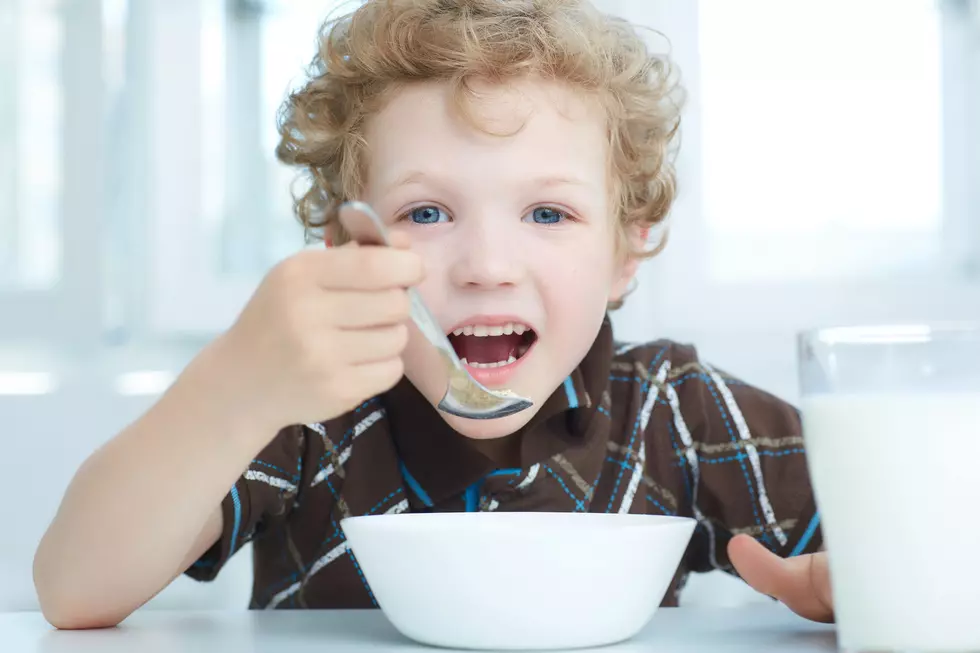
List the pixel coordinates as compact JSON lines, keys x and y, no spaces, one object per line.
{"x":367,"y":228}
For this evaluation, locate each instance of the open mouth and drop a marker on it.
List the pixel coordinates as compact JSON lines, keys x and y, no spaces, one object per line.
{"x":485,"y":346}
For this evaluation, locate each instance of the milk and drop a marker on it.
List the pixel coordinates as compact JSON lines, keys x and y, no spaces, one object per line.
{"x":897,"y":480}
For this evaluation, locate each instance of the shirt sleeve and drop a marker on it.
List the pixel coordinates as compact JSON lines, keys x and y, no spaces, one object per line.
{"x":744,"y":464}
{"x":267,"y":492}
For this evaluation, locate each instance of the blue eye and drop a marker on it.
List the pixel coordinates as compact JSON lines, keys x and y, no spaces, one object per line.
{"x":546,"y":215}
{"x":428,"y":215}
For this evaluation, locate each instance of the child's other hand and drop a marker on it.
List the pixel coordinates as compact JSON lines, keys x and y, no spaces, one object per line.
{"x":802,"y":582}
{"x":324,"y":331}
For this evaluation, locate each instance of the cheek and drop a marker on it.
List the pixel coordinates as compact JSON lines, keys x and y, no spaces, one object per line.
{"x":579,"y":302}
{"x":581,"y":275}
{"x":433,"y":286}
{"x":575,"y":288}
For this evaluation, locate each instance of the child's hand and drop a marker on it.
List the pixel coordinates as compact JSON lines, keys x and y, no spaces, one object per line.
{"x":802,"y":582}
{"x":324,"y":331}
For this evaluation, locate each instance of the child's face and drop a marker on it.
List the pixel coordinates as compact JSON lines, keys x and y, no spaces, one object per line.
{"x":513,"y":229}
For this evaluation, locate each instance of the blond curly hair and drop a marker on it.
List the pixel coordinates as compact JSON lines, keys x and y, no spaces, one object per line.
{"x":385,"y":44}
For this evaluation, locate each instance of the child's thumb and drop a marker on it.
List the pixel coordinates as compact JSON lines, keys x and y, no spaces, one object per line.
{"x":399,"y":240}
{"x":757,"y":566}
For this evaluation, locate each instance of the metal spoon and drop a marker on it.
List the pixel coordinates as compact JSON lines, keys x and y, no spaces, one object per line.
{"x":464,"y":397}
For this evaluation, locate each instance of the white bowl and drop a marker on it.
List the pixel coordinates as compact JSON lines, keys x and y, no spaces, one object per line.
{"x":518,"y":580}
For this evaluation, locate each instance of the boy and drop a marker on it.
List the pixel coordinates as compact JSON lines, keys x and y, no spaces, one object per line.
{"x":518,"y":150}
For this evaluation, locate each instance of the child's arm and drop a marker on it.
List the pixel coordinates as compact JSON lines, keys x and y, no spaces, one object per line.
{"x":324,"y":332}
{"x":147,"y":504}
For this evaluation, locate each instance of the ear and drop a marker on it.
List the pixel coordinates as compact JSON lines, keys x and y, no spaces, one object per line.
{"x":636,"y":240}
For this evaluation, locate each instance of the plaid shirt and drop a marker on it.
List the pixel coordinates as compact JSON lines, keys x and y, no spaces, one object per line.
{"x":643,"y":428}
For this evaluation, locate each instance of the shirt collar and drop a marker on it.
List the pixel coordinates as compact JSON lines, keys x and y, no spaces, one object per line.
{"x":442,"y":464}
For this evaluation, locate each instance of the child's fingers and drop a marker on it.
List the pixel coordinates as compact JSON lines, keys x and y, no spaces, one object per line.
{"x":363,"y":309}
{"x":802,"y":593}
{"x":758,"y":566}
{"x":367,"y":268}
{"x":802,"y":583}
{"x":373,"y":345}
{"x":820,"y":581}
{"x":399,"y":240}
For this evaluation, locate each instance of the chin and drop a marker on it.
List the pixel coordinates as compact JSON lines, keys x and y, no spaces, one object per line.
{"x":490,"y":429}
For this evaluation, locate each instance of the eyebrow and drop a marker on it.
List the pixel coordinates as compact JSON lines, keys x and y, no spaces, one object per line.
{"x":547,"y":181}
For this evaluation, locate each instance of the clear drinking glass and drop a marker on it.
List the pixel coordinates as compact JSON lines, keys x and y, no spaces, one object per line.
{"x":891,"y":421}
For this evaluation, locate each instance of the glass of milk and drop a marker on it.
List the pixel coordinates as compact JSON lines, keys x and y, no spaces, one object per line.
{"x":891,"y":421}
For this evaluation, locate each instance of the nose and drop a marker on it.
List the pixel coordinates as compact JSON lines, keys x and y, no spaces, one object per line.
{"x":487,"y":255}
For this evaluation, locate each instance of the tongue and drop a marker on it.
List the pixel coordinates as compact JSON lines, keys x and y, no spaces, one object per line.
{"x":490,"y":349}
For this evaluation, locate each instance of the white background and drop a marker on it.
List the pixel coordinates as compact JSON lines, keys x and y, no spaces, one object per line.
{"x":826,"y":177}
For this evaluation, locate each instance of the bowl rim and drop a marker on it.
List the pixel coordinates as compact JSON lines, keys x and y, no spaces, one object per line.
{"x":501,"y":520}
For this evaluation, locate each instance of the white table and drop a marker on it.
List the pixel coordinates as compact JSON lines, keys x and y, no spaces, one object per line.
{"x":755,"y":629}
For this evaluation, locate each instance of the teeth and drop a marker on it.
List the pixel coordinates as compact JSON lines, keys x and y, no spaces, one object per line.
{"x":487,"y":366}
{"x":483,"y":331}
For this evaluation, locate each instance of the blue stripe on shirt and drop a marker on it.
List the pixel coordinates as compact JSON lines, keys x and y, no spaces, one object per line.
{"x":807,"y":536}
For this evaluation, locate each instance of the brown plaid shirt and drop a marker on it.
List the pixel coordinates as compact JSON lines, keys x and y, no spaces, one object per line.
{"x":636,"y":428}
